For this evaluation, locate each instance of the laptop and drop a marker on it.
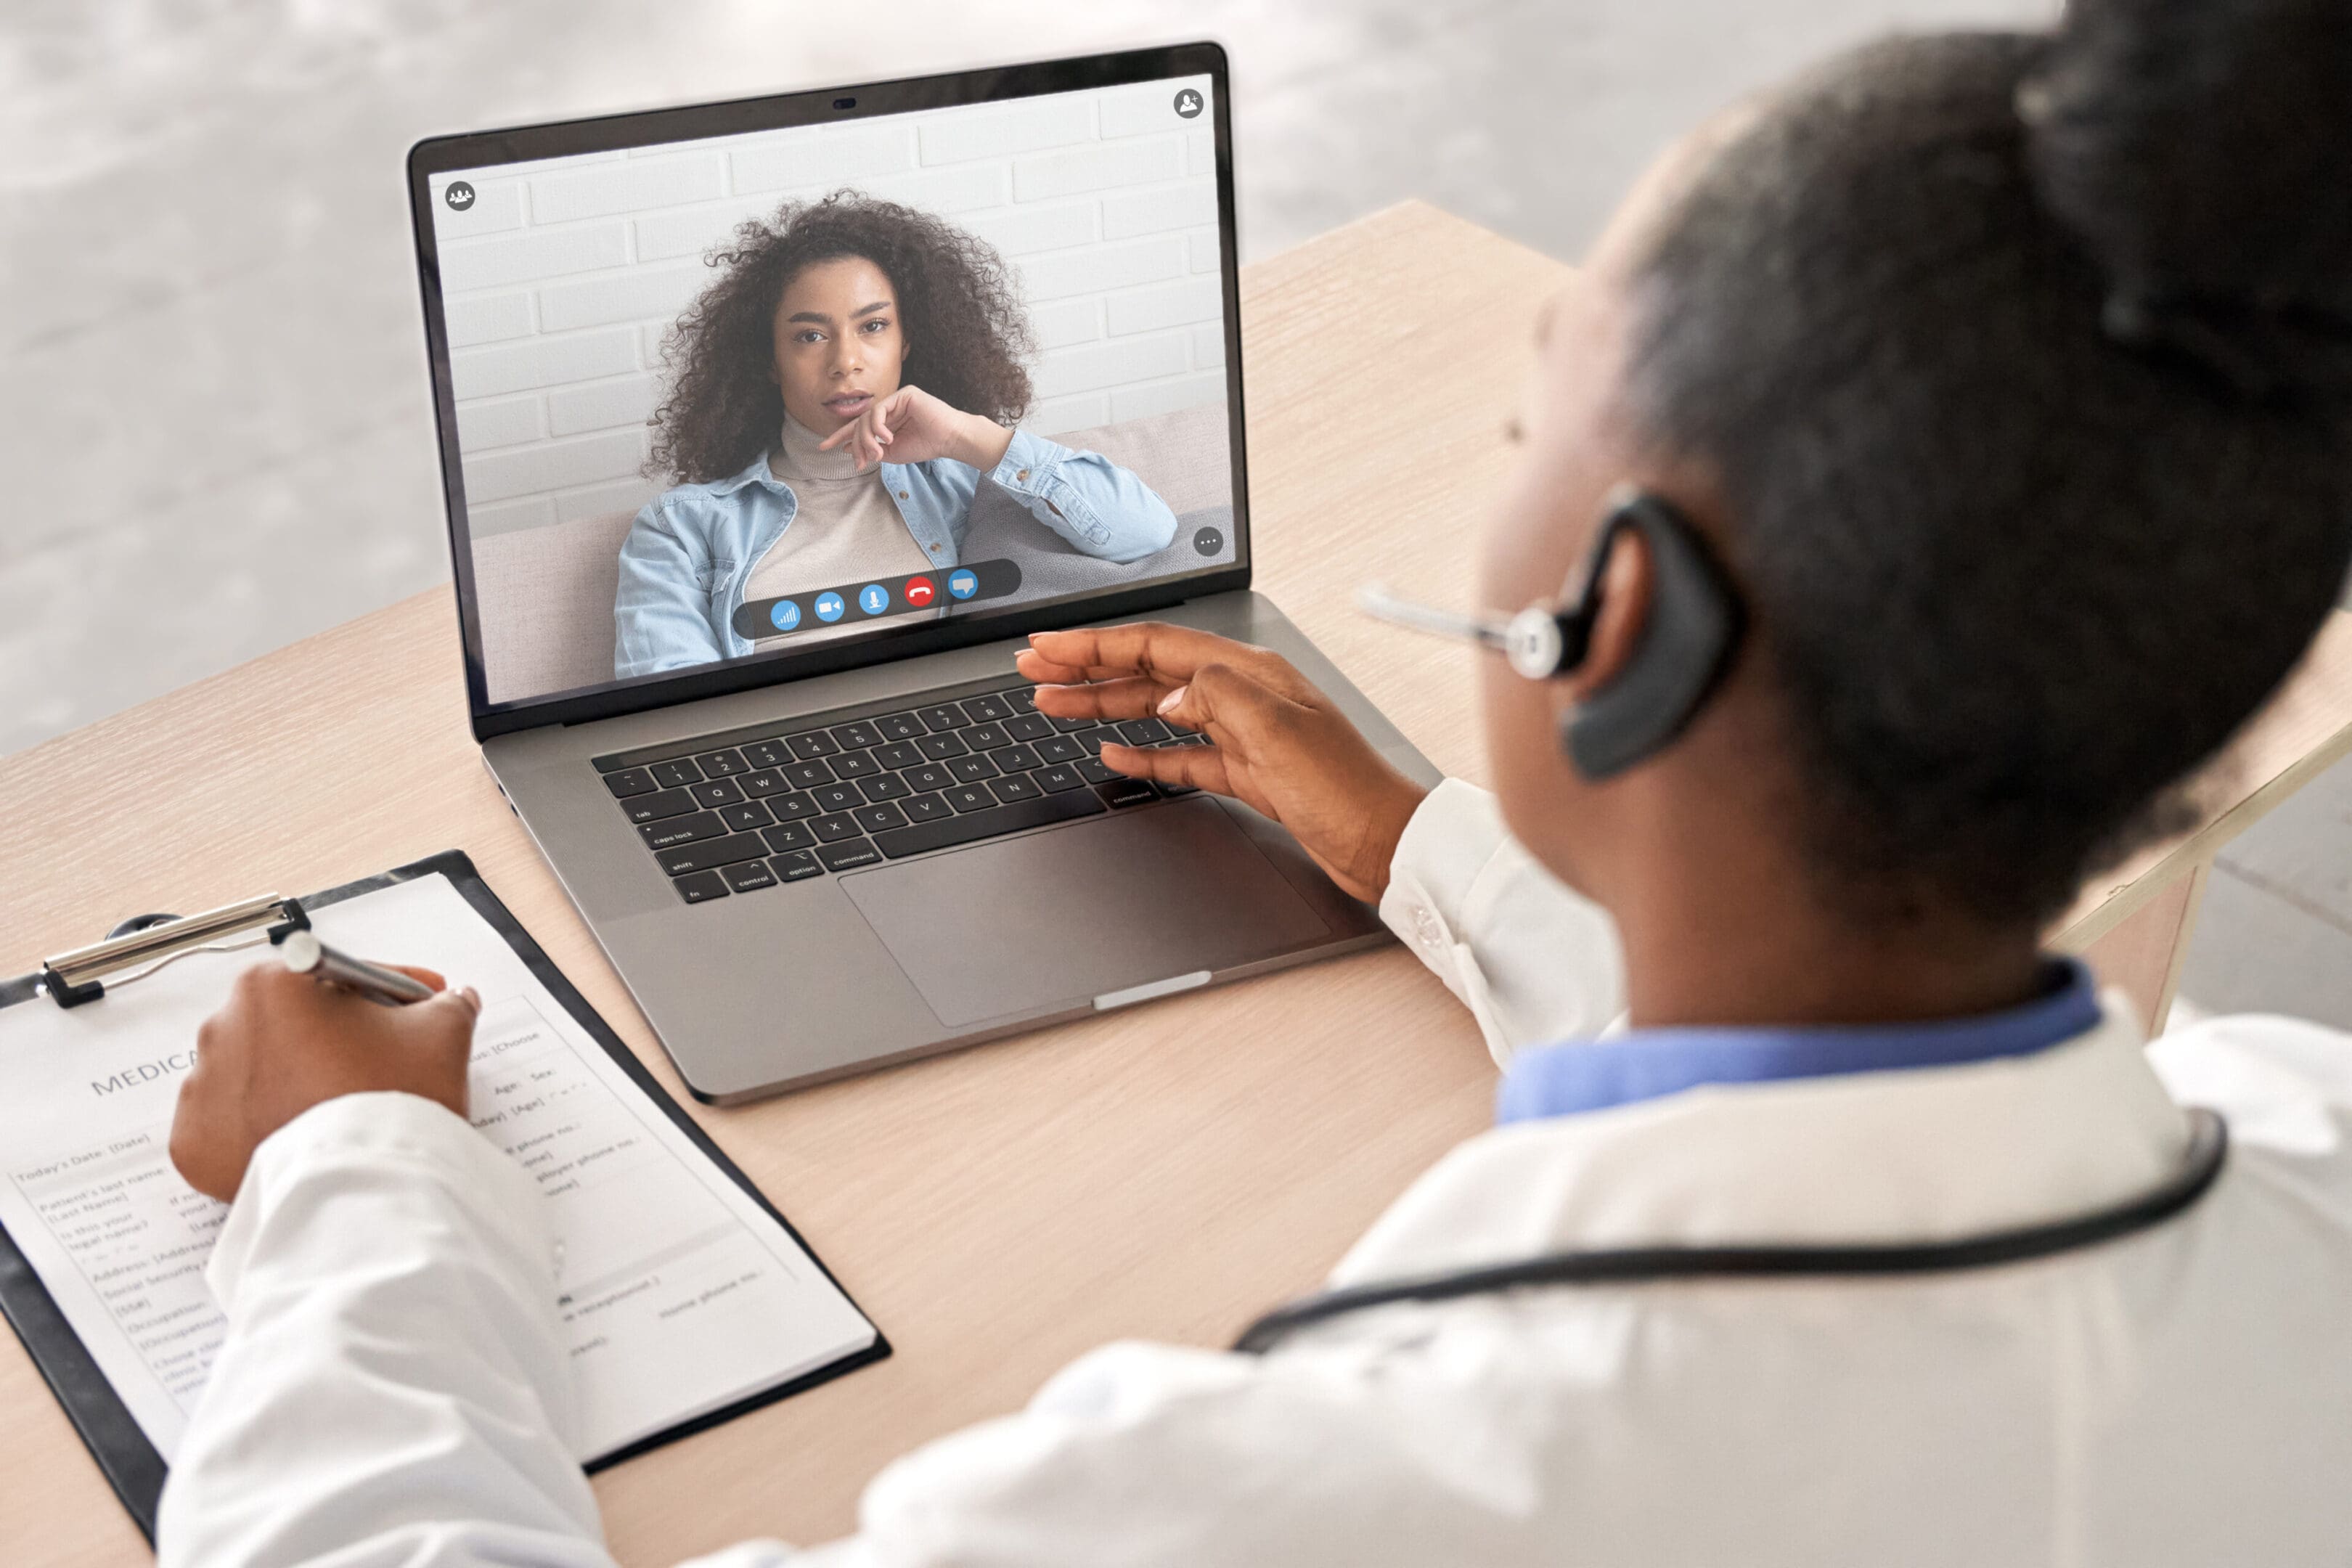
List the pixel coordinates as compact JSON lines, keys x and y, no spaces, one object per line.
{"x":751,"y":691}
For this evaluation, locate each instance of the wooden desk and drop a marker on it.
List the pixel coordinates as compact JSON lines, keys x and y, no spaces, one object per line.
{"x":1164,"y":1173}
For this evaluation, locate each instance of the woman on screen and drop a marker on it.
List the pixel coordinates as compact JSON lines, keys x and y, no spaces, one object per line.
{"x":841,"y":393}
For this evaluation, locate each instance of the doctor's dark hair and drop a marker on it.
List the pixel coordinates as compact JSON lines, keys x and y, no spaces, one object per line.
{"x":2019,"y":367}
{"x":967,"y":338}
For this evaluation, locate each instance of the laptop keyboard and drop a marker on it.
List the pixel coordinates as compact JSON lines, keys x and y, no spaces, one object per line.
{"x":726,"y":814}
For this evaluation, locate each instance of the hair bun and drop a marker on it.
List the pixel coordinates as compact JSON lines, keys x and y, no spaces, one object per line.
{"x":2200,"y":151}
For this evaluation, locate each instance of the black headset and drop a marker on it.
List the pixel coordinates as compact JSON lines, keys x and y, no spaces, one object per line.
{"x":1695,"y":624}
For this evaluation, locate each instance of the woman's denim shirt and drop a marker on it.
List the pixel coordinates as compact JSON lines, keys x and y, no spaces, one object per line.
{"x":691,"y":549}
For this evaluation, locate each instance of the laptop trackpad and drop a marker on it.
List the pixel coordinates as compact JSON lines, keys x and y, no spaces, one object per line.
{"x":1022,"y":924}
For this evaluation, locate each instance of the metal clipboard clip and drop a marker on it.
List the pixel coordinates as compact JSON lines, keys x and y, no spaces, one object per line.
{"x":154,"y":941}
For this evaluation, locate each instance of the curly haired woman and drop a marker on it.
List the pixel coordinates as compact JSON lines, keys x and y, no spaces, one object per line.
{"x":842,"y":392}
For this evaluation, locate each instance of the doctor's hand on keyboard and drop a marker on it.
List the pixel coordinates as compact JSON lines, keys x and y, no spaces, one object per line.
{"x":283,"y":1043}
{"x":1277,"y":744}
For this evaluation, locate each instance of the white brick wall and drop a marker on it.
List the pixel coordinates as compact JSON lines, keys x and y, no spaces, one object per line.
{"x":563,"y":275}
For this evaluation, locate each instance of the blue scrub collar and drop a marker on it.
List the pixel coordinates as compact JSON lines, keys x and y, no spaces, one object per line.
{"x":1593,"y":1075}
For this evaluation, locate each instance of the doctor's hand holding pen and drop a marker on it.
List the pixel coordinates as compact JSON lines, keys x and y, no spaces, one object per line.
{"x":1277,"y":744}
{"x":283,"y":1043}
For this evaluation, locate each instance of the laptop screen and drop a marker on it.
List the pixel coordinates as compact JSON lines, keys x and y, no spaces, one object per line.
{"x":753,"y":395}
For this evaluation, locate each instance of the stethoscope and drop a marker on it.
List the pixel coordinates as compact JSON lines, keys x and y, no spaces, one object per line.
{"x":2208,"y":1144}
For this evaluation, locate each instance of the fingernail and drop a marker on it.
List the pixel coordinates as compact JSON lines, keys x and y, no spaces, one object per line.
{"x":1168,"y":703}
{"x":473,"y":998}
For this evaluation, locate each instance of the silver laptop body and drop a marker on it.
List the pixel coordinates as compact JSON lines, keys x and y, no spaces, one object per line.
{"x":854,"y":843}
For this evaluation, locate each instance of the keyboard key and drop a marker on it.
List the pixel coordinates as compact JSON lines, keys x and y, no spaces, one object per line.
{"x":1143,"y":732}
{"x":1015,"y":759}
{"x":1125,"y":792}
{"x":701,"y":886}
{"x":946,"y":716}
{"x":1092,"y":741}
{"x":945,"y":832}
{"x":653,"y":807}
{"x":1072,"y":726}
{"x":856,"y":736}
{"x":940,"y":748}
{"x":808,"y":776}
{"x":855,"y":765}
{"x":1028,"y":727}
{"x":983,"y":708}
{"x":719,"y":792}
{"x":930,"y":777}
{"x":792,"y":868}
{"x":971,"y":797}
{"x":926,"y":808}
{"x":986,"y":737}
{"x":1094,"y":773}
{"x":837,"y":797}
{"x":811,"y":744}
{"x":842,"y":857}
{"x":1190,"y":738}
{"x":898,"y":754}
{"x":793,"y":808}
{"x":721,"y":764}
{"x":830,"y":828}
{"x":789,"y":837}
{"x":879,"y":818}
{"x":1058,"y":748}
{"x":767,"y":754}
{"x":629,"y":782}
{"x":1020,"y":699}
{"x":659,"y":835}
{"x":1053,"y":781}
{"x":716,"y":852}
{"x":1017,"y":788}
{"x":676,"y":775}
{"x":766,"y":782}
{"x":745,"y":818}
{"x":1172,"y":790}
{"x":749,"y":875}
{"x":971,"y":770}
{"x":886,"y":786}
{"x":900,"y":726}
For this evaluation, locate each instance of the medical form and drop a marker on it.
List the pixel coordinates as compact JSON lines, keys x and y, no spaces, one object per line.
{"x":681,"y":1292}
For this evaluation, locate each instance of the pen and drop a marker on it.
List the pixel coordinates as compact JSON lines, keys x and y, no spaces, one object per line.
{"x":304,"y":954}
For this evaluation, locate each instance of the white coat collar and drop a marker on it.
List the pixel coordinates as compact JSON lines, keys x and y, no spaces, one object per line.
{"x":1920,"y":1153}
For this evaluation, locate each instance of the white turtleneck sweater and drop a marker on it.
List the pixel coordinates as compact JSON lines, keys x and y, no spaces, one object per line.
{"x":848,"y":530}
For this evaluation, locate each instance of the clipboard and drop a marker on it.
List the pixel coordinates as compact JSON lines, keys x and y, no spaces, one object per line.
{"x":126,"y":1458}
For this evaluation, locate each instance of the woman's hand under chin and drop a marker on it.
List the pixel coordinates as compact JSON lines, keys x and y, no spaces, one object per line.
{"x":910,"y":426}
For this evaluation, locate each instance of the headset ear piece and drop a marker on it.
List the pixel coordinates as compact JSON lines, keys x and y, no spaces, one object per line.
{"x":1694,"y":623}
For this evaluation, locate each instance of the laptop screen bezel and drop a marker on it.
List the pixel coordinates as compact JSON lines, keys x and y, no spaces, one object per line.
{"x":530,"y":143}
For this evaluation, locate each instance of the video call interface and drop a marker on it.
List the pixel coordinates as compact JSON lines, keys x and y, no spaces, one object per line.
{"x":738,"y":396}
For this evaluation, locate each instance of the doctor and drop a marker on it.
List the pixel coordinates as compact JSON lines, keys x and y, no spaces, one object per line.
{"x":1936,"y":462}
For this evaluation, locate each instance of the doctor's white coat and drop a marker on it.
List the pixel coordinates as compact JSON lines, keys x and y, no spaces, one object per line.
{"x":393,"y":1391}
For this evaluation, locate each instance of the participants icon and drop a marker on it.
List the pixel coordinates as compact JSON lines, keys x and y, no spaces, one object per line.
{"x":919,"y":592}
{"x":829,"y":607}
{"x":460,"y":196}
{"x":873,"y":598}
{"x":962,"y":584}
{"x":785,"y":614}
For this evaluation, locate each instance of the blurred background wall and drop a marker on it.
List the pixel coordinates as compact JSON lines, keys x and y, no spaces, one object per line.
{"x":214,"y":425}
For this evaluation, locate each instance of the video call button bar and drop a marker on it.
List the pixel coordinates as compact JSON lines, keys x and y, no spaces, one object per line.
{"x":869,"y":600}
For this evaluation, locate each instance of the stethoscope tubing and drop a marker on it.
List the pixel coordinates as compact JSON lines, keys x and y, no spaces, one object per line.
{"x":2201,"y":1166}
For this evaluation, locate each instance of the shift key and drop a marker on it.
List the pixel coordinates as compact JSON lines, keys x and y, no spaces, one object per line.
{"x":712,"y":852}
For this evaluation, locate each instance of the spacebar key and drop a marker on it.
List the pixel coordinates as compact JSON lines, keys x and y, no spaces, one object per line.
{"x":901,"y":842}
